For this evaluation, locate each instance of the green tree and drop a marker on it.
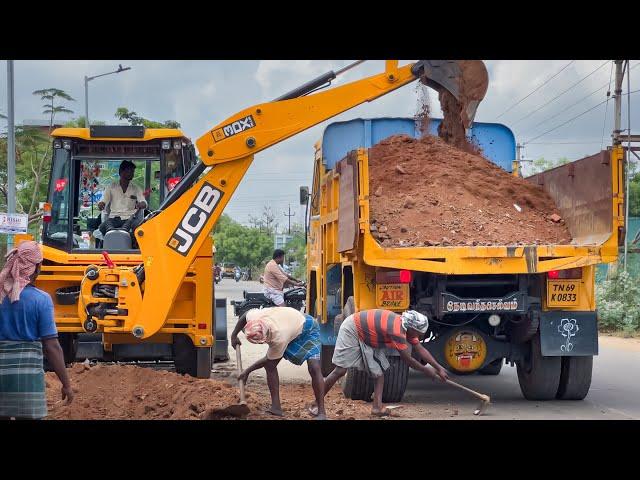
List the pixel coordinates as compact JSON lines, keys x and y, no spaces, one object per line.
{"x":618,"y":300}
{"x":33,"y":155}
{"x":634,"y":195}
{"x":244,"y":246}
{"x":79,"y":122}
{"x":123,"y":113}
{"x":542,"y":164}
{"x":296,"y":251}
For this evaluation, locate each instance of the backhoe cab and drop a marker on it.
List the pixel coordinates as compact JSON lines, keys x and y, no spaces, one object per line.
{"x":86,"y":161}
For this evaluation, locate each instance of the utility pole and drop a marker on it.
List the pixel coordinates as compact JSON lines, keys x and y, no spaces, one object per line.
{"x":86,"y":91}
{"x":516,"y":170}
{"x":628,"y":169}
{"x":289,"y":215}
{"x":11,"y":149}
{"x":612,"y":268}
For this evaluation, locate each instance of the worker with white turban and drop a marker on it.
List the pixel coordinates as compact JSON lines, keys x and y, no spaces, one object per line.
{"x":27,"y":328}
{"x":367,"y":337}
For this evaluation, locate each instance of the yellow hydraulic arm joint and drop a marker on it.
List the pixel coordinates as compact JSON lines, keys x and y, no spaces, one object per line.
{"x":170,"y":240}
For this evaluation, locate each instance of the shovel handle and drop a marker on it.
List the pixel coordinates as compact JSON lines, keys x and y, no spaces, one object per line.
{"x":239,"y":369}
{"x":473,"y":392}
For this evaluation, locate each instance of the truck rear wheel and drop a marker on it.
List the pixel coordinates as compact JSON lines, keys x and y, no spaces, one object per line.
{"x":189,"y":359}
{"x":492,"y":368}
{"x":539,"y":376}
{"x":326,"y":355}
{"x":395,"y":380}
{"x":575,"y":378}
{"x":357,"y":385}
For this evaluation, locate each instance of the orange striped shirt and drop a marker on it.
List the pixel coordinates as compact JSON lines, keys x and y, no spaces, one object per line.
{"x":382,"y":329}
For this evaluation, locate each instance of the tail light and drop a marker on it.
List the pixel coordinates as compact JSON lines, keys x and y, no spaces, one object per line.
{"x":46,"y":212}
{"x":393,"y":276}
{"x":570,"y":273}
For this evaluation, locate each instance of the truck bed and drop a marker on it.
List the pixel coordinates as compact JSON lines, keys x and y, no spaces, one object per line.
{"x":587,"y":193}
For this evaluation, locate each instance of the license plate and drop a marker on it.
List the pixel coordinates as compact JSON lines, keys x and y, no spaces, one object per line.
{"x":392,"y":296}
{"x":563,"y":293}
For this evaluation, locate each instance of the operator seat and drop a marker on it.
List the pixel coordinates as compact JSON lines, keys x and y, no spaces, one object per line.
{"x":118,"y":238}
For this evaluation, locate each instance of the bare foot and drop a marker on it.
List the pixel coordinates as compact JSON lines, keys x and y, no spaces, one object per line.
{"x":312,"y":408}
{"x":275,"y":411}
{"x":385,"y":412}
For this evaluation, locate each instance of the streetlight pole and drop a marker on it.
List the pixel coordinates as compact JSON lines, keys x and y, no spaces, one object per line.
{"x":86,"y":91}
{"x":11,"y":149}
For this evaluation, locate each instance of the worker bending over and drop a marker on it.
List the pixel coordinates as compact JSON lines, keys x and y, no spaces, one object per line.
{"x":275,"y":279}
{"x":362,"y":342}
{"x":291,"y":335}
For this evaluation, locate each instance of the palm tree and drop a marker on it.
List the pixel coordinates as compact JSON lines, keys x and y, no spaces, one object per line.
{"x":38,"y":145}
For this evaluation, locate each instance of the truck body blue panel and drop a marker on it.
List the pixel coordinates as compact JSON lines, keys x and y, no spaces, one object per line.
{"x":496,"y":140}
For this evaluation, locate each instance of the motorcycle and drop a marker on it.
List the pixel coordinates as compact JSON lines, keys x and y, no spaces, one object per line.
{"x":237,"y":275}
{"x":294,"y":297}
{"x":217,"y":277}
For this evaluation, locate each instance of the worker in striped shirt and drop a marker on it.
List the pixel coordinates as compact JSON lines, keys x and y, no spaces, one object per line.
{"x":365,"y":336}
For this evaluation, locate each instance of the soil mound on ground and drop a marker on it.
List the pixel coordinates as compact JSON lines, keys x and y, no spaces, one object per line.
{"x":127,"y":392}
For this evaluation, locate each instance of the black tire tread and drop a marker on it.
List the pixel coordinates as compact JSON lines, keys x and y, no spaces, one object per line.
{"x":543,"y":380}
{"x":395,"y":380}
{"x":575,"y":378}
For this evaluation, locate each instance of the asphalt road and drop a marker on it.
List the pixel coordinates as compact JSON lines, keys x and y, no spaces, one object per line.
{"x":614,"y":393}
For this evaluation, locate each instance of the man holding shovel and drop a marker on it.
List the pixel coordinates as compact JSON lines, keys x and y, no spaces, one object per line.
{"x":366,"y":335}
{"x":291,"y":335}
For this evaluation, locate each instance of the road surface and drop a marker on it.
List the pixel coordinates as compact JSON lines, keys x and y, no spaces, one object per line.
{"x":614,"y":394}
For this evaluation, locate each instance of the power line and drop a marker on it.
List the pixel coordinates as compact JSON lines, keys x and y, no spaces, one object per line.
{"x":536,"y":89}
{"x":572,"y":119}
{"x":568,"y":107}
{"x":562,"y":143}
{"x":559,"y":95}
{"x":568,"y":121}
{"x":606,"y":108}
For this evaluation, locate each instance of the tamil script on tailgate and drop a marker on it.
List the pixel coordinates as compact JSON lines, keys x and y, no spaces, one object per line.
{"x":510,"y":303}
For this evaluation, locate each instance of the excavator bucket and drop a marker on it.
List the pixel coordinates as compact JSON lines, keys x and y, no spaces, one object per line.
{"x":466,"y":80}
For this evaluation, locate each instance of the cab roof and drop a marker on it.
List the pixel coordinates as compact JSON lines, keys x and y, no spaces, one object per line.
{"x":115,"y":133}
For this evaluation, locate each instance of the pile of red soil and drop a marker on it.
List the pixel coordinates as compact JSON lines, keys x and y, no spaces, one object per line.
{"x":108,"y":392}
{"x":428,"y":193}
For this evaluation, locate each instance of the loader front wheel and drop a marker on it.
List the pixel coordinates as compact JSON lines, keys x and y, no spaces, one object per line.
{"x":192,"y":360}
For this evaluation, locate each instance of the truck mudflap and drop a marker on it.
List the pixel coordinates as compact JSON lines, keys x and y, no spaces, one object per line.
{"x":568,"y":334}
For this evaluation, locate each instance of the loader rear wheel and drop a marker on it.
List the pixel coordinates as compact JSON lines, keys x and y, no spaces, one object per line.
{"x":395,"y":380}
{"x":575,"y":378}
{"x":539,"y":376}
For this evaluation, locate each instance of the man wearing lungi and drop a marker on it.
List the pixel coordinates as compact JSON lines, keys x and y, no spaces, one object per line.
{"x":363,"y":339}
{"x":26,"y":329}
{"x":289,"y":334}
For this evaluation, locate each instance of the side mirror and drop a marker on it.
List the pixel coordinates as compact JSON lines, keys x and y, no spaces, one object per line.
{"x":304,"y":195}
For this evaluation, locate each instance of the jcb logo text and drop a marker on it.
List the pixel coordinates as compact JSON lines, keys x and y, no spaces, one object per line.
{"x":195,"y":219}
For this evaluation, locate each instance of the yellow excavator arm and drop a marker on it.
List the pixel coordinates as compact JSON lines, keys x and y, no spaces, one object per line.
{"x":170,"y":238}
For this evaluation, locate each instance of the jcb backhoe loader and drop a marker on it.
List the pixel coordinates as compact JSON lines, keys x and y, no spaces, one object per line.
{"x":156,"y":301}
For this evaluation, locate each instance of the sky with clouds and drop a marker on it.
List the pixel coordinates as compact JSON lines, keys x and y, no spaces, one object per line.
{"x":200,"y":94}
